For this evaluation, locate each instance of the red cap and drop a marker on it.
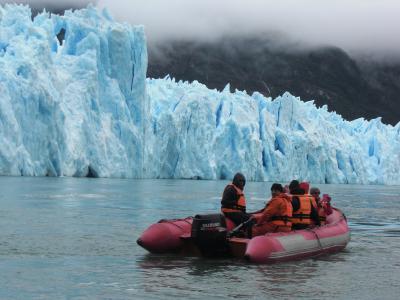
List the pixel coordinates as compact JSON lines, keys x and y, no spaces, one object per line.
{"x":305,"y":186}
{"x":326,"y":198}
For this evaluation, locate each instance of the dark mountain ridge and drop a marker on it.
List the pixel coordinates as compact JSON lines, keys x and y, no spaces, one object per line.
{"x":328,"y":75}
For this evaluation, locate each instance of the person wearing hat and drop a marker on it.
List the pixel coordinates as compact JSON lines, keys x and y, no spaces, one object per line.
{"x":305,"y":186}
{"x":305,"y":209}
{"x":233,"y":203}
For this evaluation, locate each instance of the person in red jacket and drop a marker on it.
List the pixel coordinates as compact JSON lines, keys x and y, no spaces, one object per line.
{"x":277,"y":213}
{"x":326,"y":204}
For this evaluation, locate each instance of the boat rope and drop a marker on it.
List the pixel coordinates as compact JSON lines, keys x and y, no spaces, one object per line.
{"x":318,"y":240}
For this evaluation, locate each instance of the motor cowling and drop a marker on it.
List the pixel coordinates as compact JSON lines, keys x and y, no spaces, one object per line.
{"x":209,"y":234}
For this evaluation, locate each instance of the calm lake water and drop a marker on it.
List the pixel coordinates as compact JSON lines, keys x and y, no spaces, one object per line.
{"x":68,"y":238}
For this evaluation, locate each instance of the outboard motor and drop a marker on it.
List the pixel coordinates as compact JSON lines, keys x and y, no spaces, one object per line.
{"x":210,"y":235}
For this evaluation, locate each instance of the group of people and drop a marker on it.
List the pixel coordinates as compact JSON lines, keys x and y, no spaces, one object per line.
{"x":292,"y":207}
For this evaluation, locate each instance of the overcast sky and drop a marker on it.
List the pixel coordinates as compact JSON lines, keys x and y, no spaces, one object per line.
{"x":354,"y":25}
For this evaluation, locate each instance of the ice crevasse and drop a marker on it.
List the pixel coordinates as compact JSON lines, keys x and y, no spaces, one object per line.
{"x":83,"y":107}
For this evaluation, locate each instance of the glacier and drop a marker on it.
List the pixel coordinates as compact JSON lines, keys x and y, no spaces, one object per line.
{"x":72,"y":109}
{"x":84,"y":107}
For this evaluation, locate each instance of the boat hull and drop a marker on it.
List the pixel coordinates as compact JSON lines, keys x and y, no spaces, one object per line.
{"x":275,"y":247}
{"x":169,"y":236}
{"x":165,"y":236}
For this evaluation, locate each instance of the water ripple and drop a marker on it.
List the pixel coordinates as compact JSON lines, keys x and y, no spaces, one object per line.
{"x":75,"y":239}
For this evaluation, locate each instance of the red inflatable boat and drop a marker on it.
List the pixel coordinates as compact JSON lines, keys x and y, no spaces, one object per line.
{"x":209,"y":235}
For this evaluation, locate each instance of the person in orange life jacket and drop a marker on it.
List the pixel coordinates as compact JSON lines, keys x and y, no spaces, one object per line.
{"x":233,"y":203}
{"x":277,"y":213}
{"x":305,"y":210}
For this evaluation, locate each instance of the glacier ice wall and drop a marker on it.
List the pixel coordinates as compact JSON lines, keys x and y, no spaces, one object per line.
{"x":196,"y":132}
{"x":85,"y":108}
{"x":73,"y":109}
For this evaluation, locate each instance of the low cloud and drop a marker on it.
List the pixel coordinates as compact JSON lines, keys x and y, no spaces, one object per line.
{"x":358,"y":26}
{"x":363,"y":26}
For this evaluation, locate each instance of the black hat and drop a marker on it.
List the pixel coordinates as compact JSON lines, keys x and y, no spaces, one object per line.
{"x":294,"y":185}
{"x":239,"y":180}
{"x":277,"y":187}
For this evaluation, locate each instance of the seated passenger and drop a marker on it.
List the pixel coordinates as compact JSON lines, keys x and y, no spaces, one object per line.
{"x":326,"y":204}
{"x":277,"y":213}
{"x":324,"y":207}
{"x":315,"y":192}
{"x":305,"y":210}
{"x":233,"y":203}
{"x":286,"y":189}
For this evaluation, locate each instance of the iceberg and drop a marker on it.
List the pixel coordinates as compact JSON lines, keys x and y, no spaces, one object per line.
{"x":83,"y":106}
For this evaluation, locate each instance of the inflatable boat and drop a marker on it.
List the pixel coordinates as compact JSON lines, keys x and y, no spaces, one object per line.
{"x":211,"y":235}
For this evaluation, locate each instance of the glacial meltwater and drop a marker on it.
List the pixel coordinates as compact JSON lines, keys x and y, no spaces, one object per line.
{"x":69,"y":238}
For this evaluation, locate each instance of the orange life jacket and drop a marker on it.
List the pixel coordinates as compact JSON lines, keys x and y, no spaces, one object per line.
{"x":303,"y":214}
{"x":240,"y":205}
{"x":285,"y":218}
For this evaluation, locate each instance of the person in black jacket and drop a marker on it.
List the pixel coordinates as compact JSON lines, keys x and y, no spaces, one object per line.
{"x":233,"y":203}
